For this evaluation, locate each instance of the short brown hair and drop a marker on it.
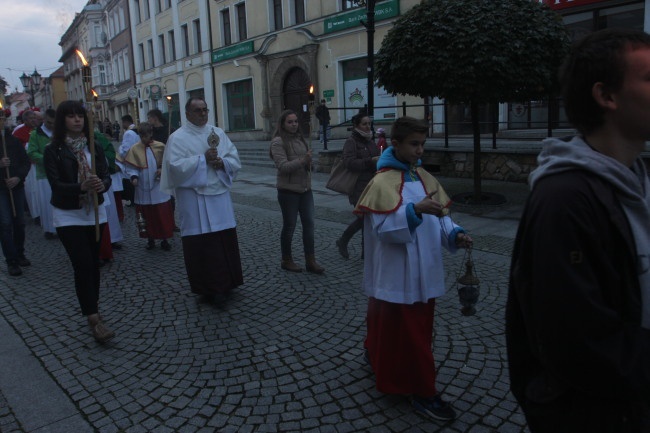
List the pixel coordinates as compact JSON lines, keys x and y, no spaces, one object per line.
{"x":404,"y":126}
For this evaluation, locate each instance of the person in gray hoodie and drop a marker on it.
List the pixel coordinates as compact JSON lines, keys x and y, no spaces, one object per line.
{"x":578,"y":310}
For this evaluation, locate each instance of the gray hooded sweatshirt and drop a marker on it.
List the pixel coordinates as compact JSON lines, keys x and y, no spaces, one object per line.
{"x":632,"y":189}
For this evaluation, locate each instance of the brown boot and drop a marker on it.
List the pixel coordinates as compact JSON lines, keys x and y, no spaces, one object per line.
{"x":289,"y":265}
{"x":101,"y":332}
{"x":312,"y":266}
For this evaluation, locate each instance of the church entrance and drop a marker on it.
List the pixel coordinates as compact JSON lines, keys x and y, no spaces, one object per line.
{"x":295,"y":96}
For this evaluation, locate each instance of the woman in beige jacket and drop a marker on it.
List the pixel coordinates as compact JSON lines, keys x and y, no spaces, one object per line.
{"x":292,"y":158}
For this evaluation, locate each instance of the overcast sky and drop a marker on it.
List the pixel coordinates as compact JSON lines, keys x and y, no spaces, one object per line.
{"x":30,"y":31}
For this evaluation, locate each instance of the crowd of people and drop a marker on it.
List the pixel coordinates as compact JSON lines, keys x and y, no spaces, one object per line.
{"x":577,"y":337}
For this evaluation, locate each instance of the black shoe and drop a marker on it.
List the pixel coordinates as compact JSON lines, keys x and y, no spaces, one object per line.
{"x":176,"y":229}
{"x":14,"y":270}
{"x":434,"y":407}
{"x":343,"y":248}
{"x":366,"y":357}
{"x":22,"y":261}
{"x":116,"y":246}
{"x":151,"y":244}
{"x":50,"y":236}
{"x":165,"y":245}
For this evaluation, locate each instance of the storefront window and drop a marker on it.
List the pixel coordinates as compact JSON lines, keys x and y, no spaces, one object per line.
{"x":355,"y":91}
{"x":536,"y":114}
{"x":628,"y":17}
{"x":241,"y":108}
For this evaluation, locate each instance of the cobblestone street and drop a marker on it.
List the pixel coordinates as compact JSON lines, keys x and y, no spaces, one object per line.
{"x":284,"y":355}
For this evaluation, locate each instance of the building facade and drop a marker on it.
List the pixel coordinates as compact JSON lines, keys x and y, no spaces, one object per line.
{"x":251,"y":59}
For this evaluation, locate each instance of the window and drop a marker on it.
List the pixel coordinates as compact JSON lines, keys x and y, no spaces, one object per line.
{"x":142,"y":60}
{"x":225,"y":25}
{"x":196,"y":26}
{"x":168,"y":3}
{"x":241,"y":115}
{"x":172,"y":46}
{"x":122,"y":25}
{"x":241,"y":21}
{"x":348,"y":4}
{"x":97,"y":29}
{"x":150,"y":53}
{"x":163,"y":54}
{"x":186,"y":40}
{"x":125,"y":65}
{"x":112,"y":29}
{"x":277,"y":14}
{"x":102,"y":74}
{"x":146,"y":15}
{"x":158,"y":4}
{"x":116,"y":68}
{"x":136,"y":9}
{"x":299,"y":10}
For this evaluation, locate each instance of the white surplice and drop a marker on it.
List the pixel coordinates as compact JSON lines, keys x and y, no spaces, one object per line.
{"x":148,"y":189}
{"x":401,"y":266}
{"x":202,"y":193}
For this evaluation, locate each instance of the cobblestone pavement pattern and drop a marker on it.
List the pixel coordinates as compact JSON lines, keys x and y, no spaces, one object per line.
{"x":284,"y":355}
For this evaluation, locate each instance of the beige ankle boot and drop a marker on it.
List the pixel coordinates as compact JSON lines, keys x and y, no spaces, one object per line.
{"x":289,"y":265}
{"x":101,"y":332}
{"x":312,"y":266}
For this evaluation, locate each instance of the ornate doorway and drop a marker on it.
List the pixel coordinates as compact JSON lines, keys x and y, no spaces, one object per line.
{"x":295,"y":96}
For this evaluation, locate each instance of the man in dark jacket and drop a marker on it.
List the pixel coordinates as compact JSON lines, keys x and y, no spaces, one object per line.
{"x":14,"y":166}
{"x":323,"y":116}
{"x":578,"y":311}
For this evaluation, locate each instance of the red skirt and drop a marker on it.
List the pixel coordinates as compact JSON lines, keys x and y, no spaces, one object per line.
{"x":159,"y":219}
{"x":399,"y":347}
{"x":119,"y":205}
{"x":105,"y":247}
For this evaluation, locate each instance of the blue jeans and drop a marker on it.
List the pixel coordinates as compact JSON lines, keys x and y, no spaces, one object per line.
{"x":292,"y":204}
{"x":327,"y":128}
{"x":12,"y":228}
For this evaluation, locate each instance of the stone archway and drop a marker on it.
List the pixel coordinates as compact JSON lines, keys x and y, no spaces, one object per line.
{"x":278,"y":67}
{"x":295,"y":96}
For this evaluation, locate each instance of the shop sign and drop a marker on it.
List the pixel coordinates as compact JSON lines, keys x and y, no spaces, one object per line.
{"x":232,"y":51}
{"x":155,"y":92}
{"x":328,"y":93}
{"x":563,"y":4}
{"x":383,"y":11}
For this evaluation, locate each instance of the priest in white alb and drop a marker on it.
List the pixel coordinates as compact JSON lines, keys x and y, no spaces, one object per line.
{"x":199,"y":166}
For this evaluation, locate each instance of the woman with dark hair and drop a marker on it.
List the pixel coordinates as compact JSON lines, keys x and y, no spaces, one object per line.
{"x":292,"y":157}
{"x":360,"y":155}
{"x":68,"y":167}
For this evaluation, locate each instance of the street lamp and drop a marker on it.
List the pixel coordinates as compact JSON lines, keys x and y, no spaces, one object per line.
{"x":31,"y":83}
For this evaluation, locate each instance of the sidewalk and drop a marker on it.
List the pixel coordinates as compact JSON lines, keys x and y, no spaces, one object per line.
{"x":283,"y":356}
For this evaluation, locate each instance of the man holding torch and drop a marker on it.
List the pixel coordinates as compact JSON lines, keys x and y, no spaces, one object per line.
{"x":15,"y":165}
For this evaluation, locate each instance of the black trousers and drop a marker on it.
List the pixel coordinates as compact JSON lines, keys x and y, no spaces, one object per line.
{"x":79,"y":242}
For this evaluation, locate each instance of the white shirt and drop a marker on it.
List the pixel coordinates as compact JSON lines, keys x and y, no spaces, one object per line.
{"x":129,"y":138}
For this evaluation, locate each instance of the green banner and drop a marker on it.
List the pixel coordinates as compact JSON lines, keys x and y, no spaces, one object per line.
{"x":383,"y":11}
{"x":232,"y":51}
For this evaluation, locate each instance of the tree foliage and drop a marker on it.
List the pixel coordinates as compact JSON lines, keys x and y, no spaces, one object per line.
{"x":3,"y":85}
{"x":475,"y":51}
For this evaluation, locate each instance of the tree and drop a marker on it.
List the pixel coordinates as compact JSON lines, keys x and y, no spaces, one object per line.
{"x":474,"y":52}
{"x":3,"y":85}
